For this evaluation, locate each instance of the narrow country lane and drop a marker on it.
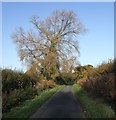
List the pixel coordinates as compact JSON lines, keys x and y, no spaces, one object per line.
{"x":61,"y":105}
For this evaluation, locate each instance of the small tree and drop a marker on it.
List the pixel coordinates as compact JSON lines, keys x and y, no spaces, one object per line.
{"x":53,"y":42}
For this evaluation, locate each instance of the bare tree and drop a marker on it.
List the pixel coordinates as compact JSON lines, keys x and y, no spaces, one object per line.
{"x":53,"y":42}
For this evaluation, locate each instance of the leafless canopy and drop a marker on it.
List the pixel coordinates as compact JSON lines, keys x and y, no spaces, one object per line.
{"x":53,"y":42}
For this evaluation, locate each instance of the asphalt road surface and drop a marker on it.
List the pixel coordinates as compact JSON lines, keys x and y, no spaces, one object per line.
{"x":63,"y":104}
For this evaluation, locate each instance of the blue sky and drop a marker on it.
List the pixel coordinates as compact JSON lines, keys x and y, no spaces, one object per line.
{"x":96,"y":46}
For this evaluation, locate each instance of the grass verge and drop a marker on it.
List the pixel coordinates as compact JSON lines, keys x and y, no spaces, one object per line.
{"x":93,"y":108}
{"x":30,"y":106}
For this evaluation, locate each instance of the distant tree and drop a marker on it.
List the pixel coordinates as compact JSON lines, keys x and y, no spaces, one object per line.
{"x":82,"y":71}
{"x":53,"y":43}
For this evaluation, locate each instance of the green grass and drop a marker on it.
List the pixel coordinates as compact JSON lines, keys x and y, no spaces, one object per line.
{"x":93,"y":107}
{"x":30,"y":106}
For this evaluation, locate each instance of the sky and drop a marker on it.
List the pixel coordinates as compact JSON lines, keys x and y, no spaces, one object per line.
{"x":58,"y":0}
{"x":96,"y":46}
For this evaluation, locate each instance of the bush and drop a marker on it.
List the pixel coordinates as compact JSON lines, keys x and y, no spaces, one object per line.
{"x":16,"y":87}
{"x":12,"y":80}
{"x":16,"y":97}
{"x":50,"y":83}
{"x":45,"y":84}
{"x":82,"y":71}
{"x":100,"y":81}
{"x":9,"y":80}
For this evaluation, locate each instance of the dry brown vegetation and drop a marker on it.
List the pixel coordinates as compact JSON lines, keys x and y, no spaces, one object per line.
{"x":100,"y":80}
{"x":44,"y":84}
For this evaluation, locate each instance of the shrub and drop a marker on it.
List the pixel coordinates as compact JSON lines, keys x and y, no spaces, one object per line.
{"x":12,"y":80}
{"x":16,"y":97}
{"x":100,"y":81}
{"x":9,"y":80}
{"x":45,"y":84}
{"x":50,"y":83}
{"x":16,"y":87}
